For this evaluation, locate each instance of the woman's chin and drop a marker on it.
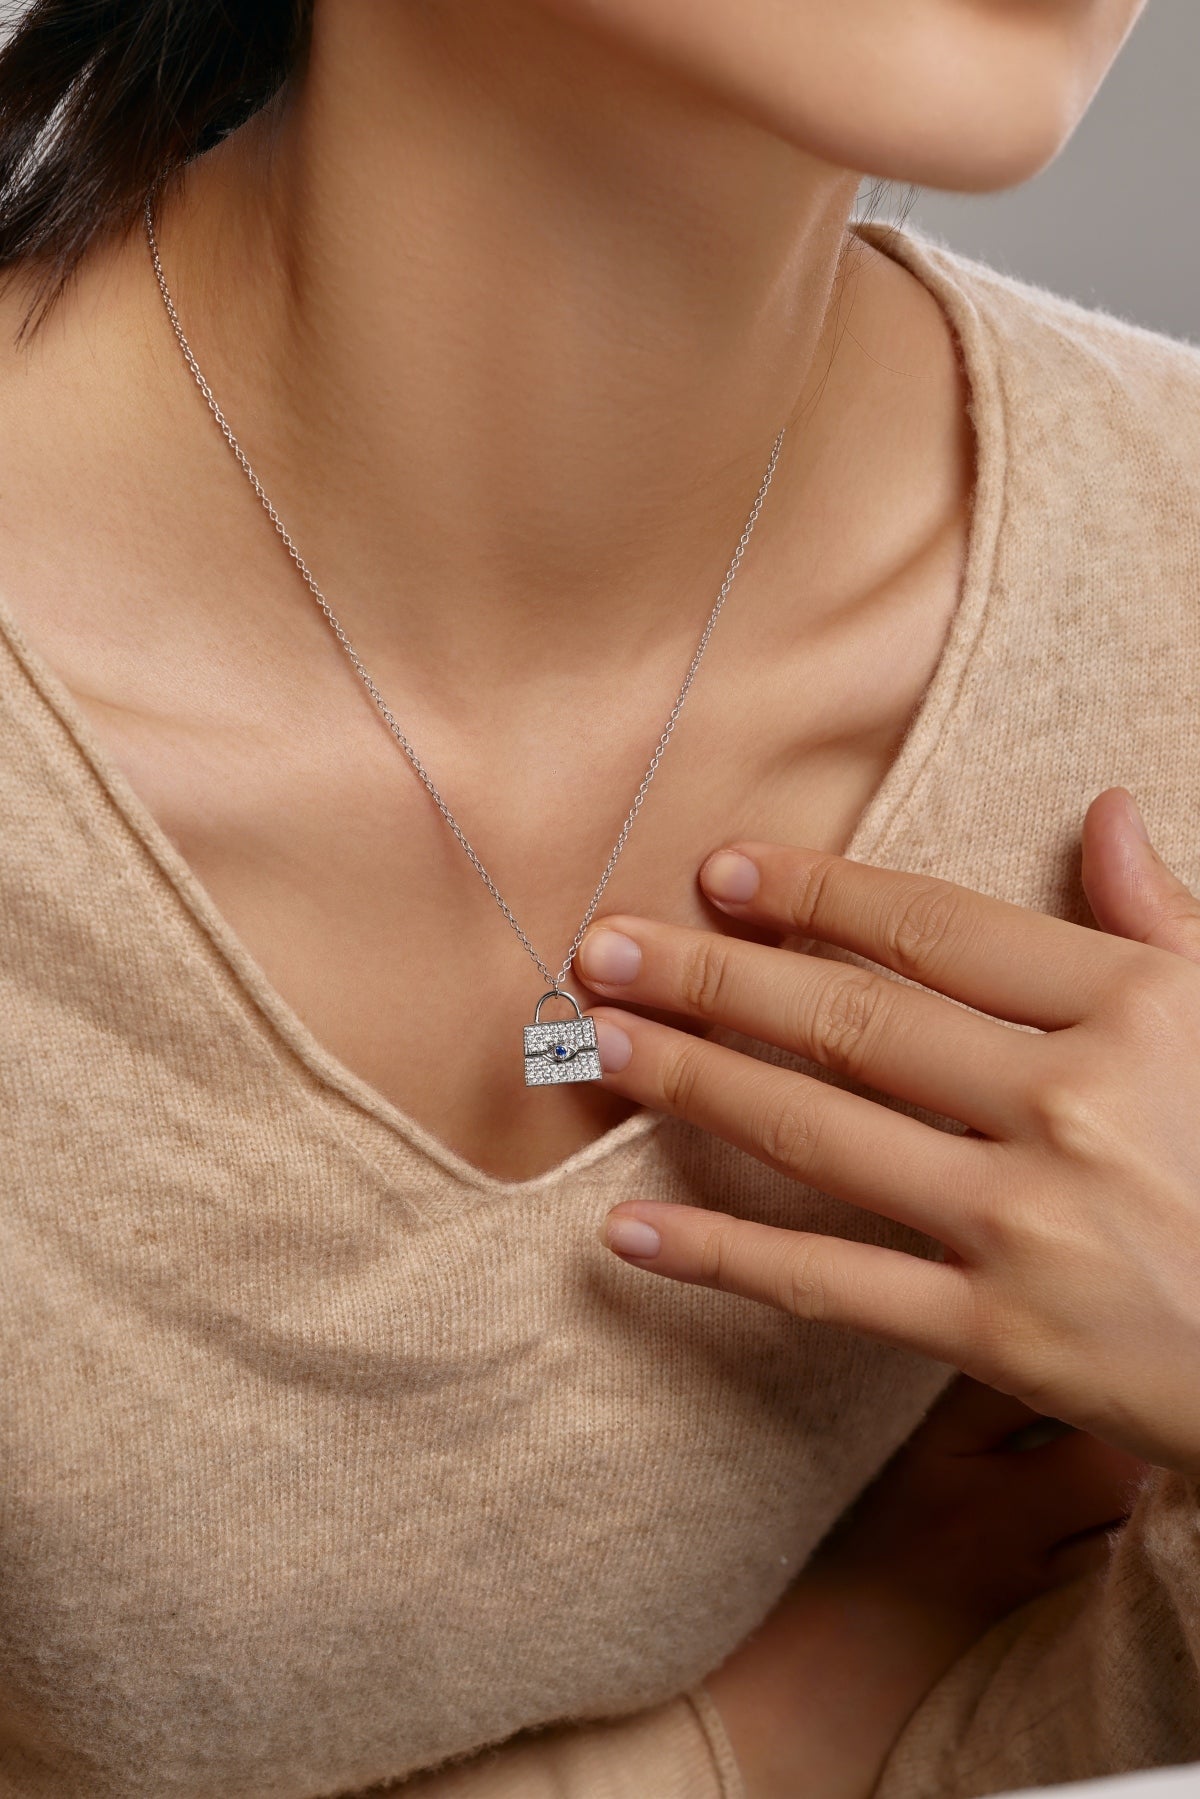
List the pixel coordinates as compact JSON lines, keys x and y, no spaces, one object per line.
{"x":974,"y":99}
{"x":977,"y":132}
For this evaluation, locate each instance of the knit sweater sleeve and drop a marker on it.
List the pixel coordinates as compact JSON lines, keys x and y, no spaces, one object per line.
{"x":1100,"y":1677}
{"x":676,"y":1751}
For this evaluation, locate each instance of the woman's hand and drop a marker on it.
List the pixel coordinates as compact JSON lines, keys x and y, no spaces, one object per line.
{"x":983,"y":1508}
{"x":1069,"y":1217}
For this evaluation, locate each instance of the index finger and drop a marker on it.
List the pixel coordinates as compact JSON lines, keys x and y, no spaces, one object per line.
{"x":998,"y":957}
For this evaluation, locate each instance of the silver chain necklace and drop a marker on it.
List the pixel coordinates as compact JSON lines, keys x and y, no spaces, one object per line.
{"x":563,"y":1050}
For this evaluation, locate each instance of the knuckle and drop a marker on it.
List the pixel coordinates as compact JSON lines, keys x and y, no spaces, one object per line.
{"x":806,"y":902}
{"x":704,"y":976}
{"x":680,"y":1076}
{"x":712,"y":1260}
{"x":849,"y":1014}
{"x":928,"y":917}
{"x":983,"y":1184}
{"x":1155,"y":999}
{"x":801,"y":1286}
{"x":786,"y":1136}
{"x":1074,"y":1116}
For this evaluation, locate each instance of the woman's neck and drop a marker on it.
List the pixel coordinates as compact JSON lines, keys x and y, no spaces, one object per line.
{"x":524,"y":318}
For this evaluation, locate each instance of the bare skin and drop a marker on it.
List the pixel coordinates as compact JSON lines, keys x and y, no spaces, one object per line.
{"x":519,"y":569}
{"x":507,"y":310}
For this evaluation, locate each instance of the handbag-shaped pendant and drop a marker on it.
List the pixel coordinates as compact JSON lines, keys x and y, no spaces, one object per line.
{"x":561,"y":1051}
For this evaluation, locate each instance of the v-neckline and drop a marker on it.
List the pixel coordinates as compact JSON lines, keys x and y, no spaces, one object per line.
{"x":926,"y":729}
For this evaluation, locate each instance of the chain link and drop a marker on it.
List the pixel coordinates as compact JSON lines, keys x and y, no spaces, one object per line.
{"x":388,"y":717}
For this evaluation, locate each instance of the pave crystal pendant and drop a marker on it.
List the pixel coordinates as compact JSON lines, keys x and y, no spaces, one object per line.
{"x":564,"y":1050}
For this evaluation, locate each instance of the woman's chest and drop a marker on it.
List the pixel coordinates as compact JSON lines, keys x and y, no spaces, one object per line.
{"x":342,"y":879}
{"x":314,"y":1478}
{"x":322,"y":1460}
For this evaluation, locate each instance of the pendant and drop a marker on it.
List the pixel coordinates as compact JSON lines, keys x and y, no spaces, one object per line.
{"x":563,"y":1051}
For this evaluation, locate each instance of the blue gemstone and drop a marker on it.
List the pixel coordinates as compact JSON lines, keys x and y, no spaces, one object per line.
{"x":561,"y":1051}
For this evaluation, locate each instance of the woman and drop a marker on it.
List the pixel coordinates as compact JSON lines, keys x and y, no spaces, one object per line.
{"x":336,"y":1445}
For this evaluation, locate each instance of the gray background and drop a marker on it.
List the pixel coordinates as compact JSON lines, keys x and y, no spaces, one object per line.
{"x":1115,"y":220}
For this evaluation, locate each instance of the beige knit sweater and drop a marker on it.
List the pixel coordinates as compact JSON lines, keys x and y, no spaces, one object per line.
{"x":315,"y":1474}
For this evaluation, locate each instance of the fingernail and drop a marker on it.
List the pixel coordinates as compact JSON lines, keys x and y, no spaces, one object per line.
{"x":609,"y":956}
{"x":615,"y":1046}
{"x":730,"y":877}
{"x":630,"y":1237}
{"x":1136,"y":820}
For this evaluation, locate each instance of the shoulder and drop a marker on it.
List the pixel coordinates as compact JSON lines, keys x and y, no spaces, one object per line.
{"x":1093,"y":425}
{"x":1079,"y":656}
{"x":1123,"y":399}
{"x":1054,"y":329}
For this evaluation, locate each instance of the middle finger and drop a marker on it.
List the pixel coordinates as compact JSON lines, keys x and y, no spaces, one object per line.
{"x":901,"y":1040}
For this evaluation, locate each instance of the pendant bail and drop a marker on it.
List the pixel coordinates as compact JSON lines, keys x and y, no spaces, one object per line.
{"x":557,"y":993}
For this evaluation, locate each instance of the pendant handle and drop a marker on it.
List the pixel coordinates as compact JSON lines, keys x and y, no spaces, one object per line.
{"x":556,"y":993}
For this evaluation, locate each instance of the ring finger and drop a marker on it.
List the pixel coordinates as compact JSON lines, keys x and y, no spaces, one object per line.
{"x":839,"y":1142}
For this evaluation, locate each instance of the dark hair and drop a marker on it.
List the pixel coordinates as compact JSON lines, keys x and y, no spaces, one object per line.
{"x":103,"y":100}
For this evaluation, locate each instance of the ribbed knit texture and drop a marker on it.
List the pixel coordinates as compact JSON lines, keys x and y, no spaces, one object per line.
{"x":326,"y":1459}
